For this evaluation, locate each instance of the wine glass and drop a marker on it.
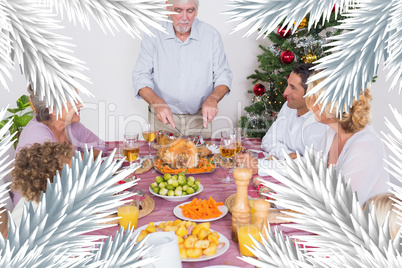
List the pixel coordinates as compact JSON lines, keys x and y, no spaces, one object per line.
{"x":149,"y":135}
{"x":237,"y":133}
{"x":228,"y":150}
{"x":237,"y":136}
{"x":130,"y":147}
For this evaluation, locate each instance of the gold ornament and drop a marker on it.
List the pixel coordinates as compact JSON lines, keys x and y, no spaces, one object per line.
{"x":309,"y":58}
{"x":303,"y":23}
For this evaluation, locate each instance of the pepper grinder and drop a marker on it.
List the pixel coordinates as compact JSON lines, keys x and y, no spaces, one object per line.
{"x":241,"y":211}
{"x":261,"y":208}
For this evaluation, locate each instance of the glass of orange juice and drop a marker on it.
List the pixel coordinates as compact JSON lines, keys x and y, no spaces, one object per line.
{"x":244,"y":230}
{"x":129,"y":214}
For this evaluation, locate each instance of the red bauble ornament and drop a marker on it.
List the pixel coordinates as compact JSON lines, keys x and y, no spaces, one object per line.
{"x":287,"y":57}
{"x":259,"y":89}
{"x":282,"y":32}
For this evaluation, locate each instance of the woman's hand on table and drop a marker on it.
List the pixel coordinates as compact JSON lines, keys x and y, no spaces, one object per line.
{"x":248,"y":161}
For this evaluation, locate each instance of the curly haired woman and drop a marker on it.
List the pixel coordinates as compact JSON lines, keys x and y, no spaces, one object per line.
{"x":33,"y":166}
{"x":352,"y":145}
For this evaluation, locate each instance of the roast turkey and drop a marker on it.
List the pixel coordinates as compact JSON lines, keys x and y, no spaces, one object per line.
{"x":180,"y":153}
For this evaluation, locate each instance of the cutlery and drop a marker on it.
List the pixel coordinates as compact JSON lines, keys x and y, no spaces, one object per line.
{"x":179,"y":131}
{"x":200,"y":139}
{"x":140,"y":193}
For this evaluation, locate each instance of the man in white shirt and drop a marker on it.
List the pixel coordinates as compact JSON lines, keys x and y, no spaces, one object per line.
{"x":295,"y":128}
{"x":183,"y":74}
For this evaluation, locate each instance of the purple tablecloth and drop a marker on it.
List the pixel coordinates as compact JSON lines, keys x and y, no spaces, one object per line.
{"x":212,"y":187}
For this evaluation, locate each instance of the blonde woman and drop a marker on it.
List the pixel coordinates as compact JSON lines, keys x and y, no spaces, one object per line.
{"x":383,"y":204}
{"x":352,"y":145}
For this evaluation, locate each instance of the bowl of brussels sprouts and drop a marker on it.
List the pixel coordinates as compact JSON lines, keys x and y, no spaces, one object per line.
{"x":175,"y":187}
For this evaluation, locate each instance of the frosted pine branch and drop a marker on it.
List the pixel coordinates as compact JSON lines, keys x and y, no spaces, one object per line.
{"x":394,"y":44}
{"x":394,"y":143}
{"x":133,"y":16}
{"x":276,"y":251}
{"x":328,"y":207}
{"x":265,"y":16}
{"x":5,"y":46}
{"x":43,"y":55}
{"x":74,"y":204}
{"x":122,"y":251}
{"x":356,"y":55}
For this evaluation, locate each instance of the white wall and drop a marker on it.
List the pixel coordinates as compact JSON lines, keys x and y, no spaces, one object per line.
{"x":110,"y":60}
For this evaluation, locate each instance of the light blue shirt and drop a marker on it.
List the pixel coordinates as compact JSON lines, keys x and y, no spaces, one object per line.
{"x":185,"y":73}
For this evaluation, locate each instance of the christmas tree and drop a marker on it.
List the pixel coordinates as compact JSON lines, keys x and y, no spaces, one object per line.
{"x":276,"y":63}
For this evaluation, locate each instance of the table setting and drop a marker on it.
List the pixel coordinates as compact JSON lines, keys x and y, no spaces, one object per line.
{"x":192,"y":196}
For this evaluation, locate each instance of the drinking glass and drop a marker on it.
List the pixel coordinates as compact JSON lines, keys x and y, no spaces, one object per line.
{"x":129,"y":214}
{"x":239,"y":136}
{"x":149,"y":135}
{"x":244,"y":230}
{"x":130,"y":147}
{"x":228,"y":150}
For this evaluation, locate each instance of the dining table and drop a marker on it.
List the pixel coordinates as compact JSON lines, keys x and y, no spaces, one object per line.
{"x":212,"y":186}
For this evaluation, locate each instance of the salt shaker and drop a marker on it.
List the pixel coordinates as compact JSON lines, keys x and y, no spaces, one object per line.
{"x":261,"y":207}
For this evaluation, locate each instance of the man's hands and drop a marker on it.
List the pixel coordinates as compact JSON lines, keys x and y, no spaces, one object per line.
{"x":162,"y":110}
{"x":248,"y":161}
{"x":210,"y":105}
{"x":209,"y":110}
{"x":164,"y":114}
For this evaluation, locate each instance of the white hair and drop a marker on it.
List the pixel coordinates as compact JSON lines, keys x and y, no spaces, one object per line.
{"x":182,"y":2}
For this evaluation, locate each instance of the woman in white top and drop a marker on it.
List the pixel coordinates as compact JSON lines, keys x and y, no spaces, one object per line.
{"x":352,"y":145}
{"x":33,"y":166}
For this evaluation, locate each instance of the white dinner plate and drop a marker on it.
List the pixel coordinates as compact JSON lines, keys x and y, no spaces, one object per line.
{"x":222,"y":266}
{"x":179,"y":214}
{"x":219,"y":252}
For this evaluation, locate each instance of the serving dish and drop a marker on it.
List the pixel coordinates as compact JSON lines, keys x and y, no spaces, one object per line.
{"x":219,"y":251}
{"x":177,"y":211}
{"x":176,"y":198}
{"x":158,"y":168}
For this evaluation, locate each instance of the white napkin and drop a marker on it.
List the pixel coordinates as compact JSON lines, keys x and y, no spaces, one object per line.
{"x":213,"y":148}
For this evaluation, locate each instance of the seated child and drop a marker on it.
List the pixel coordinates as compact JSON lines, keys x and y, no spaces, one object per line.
{"x":32,"y":167}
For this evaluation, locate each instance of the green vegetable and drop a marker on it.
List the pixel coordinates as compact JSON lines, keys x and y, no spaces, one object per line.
{"x":195,"y":187}
{"x":190,"y":190}
{"x":177,"y":192}
{"x":169,"y":187}
{"x":159,"y":179}
{"x":163,"y":191}
{"x":179,"y":187}
{"x":156,"y":189}
{"x":182,"y":181}
{"x":175,"y":185}
{"x":166,"y":177}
